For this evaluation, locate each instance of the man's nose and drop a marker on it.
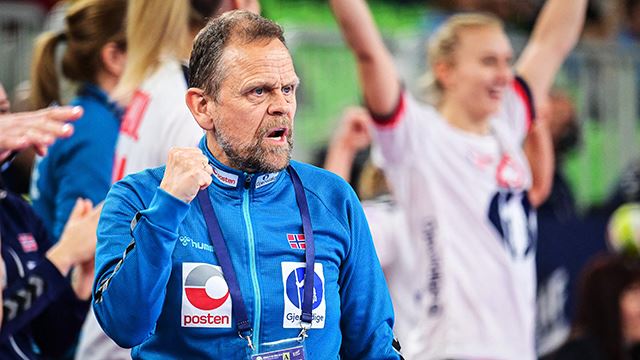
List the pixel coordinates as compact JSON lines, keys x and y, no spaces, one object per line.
{"x":280,"y":105}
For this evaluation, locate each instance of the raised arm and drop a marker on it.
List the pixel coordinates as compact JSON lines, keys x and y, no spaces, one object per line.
{"x":378,"y":75}
{"x":555,"y":34}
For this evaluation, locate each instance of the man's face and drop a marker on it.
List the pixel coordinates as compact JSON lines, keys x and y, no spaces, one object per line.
{"x":254,"y":111}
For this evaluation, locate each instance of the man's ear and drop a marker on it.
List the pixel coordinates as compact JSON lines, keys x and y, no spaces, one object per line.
{"x":201,"y":106}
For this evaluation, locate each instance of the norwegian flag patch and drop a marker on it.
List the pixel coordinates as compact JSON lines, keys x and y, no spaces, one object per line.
{"x":296,"y":241}
{"x":28,"y":242}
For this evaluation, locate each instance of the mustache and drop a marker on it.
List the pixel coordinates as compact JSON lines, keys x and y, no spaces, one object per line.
{"x":275,"y":122}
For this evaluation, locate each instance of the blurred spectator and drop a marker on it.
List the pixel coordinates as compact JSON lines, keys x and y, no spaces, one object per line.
{"x":348,"y":150}
{"x":40,"y":308}
{"x":154,"y":83}
{"x":37,"y":129}
{"x":458,"y":170}
{"x":630,"y":27}
{"x":94,"y":58}
{"x":607,"y":326}
{"x":565,"y":240}
{"x":387,"y":221}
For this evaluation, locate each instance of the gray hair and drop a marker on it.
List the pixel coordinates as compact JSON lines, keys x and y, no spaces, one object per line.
{"x":205,"y":65}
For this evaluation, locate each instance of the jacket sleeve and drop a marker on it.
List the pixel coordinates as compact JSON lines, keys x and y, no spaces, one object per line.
{"x":133,"y":261}
{"x":44,"y":301}
{"x":56,"y":330}
{"x":27,"y":298}
{"x":366,"y":309}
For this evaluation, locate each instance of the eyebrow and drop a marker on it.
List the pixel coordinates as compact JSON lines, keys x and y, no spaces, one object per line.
{"x":267,"y":83}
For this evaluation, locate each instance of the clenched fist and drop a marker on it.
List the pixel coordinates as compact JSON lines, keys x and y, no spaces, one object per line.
{"x":187,"y":172}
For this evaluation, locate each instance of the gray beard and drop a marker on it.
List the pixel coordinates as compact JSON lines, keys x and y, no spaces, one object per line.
{"x":253,"y":158}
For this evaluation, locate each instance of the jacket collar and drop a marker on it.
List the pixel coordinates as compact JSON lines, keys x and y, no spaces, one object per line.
{"x":94,"y":91}
{"x":226,"y":177}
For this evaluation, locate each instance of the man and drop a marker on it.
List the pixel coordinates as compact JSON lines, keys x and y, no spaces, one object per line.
{"x":223,"y":276}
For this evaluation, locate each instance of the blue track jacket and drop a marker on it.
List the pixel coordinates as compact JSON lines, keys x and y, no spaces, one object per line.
{"x":166,"y":297}
{"x":78,"y":166}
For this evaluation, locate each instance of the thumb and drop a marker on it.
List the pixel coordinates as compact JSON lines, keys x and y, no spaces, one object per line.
{"x":78,"y":209}
{"x":96,"y":211}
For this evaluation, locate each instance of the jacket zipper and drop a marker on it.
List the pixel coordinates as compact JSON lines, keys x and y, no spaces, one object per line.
{"x":252,"y":263}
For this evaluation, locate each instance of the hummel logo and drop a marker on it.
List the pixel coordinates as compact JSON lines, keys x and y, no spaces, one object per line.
{"x":185,"y":240}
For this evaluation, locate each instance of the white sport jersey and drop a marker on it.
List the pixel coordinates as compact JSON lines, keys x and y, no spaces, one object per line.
{"x":156,"y":120}
{"x":471,"y":228}
{"x":397,"y":254}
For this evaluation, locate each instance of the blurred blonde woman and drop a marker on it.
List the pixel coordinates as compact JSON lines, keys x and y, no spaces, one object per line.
{"x":159,"y":34}
{"x":457,"y":167}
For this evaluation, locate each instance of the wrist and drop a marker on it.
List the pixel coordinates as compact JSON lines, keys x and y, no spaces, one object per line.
{"x":343,"y":147}
{"x":60,"y":259}
{"x":167,"y":188}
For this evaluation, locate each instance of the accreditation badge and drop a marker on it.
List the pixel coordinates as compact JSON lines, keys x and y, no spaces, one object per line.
{"x":287,"y":349}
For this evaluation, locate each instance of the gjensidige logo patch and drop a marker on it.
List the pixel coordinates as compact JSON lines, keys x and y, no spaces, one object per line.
{"x":206,"y":301}
{"x":293,"y":275}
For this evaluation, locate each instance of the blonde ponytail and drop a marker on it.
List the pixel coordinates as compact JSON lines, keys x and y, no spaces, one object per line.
{"x":154,"y":29}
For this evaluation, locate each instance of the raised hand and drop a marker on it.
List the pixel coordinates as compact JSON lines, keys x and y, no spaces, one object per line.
{"x":37,"y":128}
{"x":187,"y":172}
{"x":353,"y":135}
{"x":77,"y":243}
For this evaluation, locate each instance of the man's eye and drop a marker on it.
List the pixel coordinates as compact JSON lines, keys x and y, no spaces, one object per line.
{"x":258,"y":91}
{"x":287,"y":89}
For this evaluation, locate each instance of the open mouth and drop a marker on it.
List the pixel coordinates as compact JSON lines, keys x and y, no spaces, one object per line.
{"x":278,"y":134}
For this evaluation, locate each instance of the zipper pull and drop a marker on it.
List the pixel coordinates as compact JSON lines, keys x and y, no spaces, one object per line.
{"x":247,"y":181}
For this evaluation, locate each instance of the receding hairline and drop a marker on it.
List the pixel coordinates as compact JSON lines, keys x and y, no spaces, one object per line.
{"x":233,"y":46}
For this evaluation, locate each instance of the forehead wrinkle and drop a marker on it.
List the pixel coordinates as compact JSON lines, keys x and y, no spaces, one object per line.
{"x":274,"y":67}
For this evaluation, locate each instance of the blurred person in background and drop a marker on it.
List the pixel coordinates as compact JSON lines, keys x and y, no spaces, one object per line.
{"x":154,"y":83}
{"x":33,"y":129}
{"x":152,"y":87}
{"x":607,"y":324}
{"x":566,"y":239}
{"x":386,"y":219}
{"x":94,"y":58}
{"x":42,"y":309}
{"x":630,"y":27}
{"x":458,"y":170}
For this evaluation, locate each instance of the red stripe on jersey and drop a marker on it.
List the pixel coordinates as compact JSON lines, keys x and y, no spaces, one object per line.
{"x":391,"y":120}
{"x":524,"y":93}
{"x":118,"y":169}
{"x":133,"y":116}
